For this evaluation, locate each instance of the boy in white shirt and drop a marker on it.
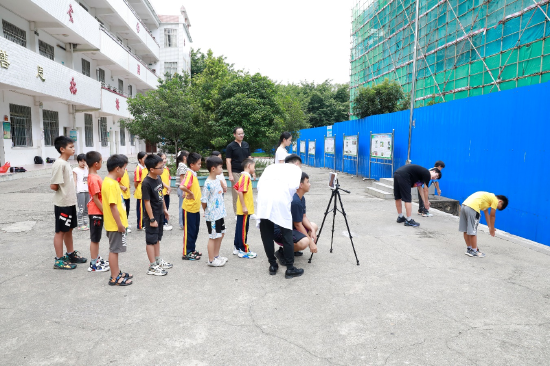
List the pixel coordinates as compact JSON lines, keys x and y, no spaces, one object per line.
{"x":80,"y":175}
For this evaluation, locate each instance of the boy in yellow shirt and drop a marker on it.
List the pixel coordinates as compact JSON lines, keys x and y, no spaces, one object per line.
{"x":165,"y":177}
{"x":470,"y":214}
{"x":191,"y":207}
{"x":114,"y":217}
{"x":245,"y":208}
{"x":124,"y":184}
{"x":139,"y":175}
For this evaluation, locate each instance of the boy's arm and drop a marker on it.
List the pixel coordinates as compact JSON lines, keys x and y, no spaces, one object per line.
{"x":122,"y":187}
{"x":241,"y":198}
{"x":149,"y":211}
{"x":490,"y":218}
{"x":74,"y":179}
{"x":116,"y":216}
{"x":97,"y":202}
{"x":229,"y":172}
{"x":437,"y":187}
{"x":167,"y":187}
{"x":425,"y":196}
{"x":307,"y":225}
{"x":300,"y":227}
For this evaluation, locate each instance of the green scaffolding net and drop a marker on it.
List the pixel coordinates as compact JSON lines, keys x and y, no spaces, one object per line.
{"x":465,"y":48}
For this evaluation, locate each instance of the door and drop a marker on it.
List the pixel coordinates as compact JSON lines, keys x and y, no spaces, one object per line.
{"x":116,"y":142}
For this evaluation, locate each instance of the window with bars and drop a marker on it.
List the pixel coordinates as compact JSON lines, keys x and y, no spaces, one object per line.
{"x":101,"y":75}
{"x":170,"y":67}
{"x":45,"y":49}
{"x":14,"y":34}
{"x":130,"y":91}
{"x":132,"y":139}
{"x":88,"y":130}
{"x":122,"y":136}
{"x":103,"y":131}
{"x":120,"y":86}
{"x":170,"y":38}
{"x":21,"y":125}
{"x":86,"y":67}
{"x":51,"y":126}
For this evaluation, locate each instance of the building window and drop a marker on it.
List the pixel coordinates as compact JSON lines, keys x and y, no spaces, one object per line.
{"x":86,"y":67}
{"x":130,"y":91}
{"x":122,"y":136}
{"x":88,"y":130}
{"x":51,"y":126}
{"x":171,"y":68}
{"x":120,"y":86}
{"x":45,"y":49}
{"x":170,"y":38}
{"x":101,"y":75}
{"x":103,"y":131}
{"x":21,"y":125}
{"x":14,"y":34}
{"x":132,"y":139}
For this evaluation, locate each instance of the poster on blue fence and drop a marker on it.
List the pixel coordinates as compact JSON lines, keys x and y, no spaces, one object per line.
{"x":329,"y":131}
{"x":381,"y":146}
{"x":302,"y":147}
{"x":295,"y":147}
{"x":350,"y":145}
{"x":329,"y":145}
{"x":311,"y":148}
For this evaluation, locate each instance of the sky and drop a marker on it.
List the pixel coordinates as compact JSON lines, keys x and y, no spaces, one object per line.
{"x":286,"y":40}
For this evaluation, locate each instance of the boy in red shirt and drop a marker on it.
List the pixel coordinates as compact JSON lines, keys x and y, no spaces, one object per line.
{"x":95,"y":211}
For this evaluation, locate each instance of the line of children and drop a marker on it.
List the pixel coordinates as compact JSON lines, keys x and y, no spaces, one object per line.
{"x":80,"y":175}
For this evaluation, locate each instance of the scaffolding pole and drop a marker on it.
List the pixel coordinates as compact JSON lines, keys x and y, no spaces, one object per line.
{"x":413,"y":87}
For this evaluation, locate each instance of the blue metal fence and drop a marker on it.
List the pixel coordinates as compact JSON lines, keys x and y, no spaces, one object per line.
{"x":496,"y":143}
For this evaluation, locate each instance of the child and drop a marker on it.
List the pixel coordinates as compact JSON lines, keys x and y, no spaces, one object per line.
{"x":245,"y":208}
{"x":153,"y":214}
{"x":80,"y":176}
{"x":94,"y":161}
{"x":115,"y":218}
{"x":139,"y":175}
{"x":124,"y":184}
{"x":469,"y":218}
{"x":214,"y":211}
{"x":181,"y":160}
{"x":64,"y":201}
{"x":165,"y":176}
{"x":191,"y":207}
{"x":220,"y":176}
{"x":421,"y":209}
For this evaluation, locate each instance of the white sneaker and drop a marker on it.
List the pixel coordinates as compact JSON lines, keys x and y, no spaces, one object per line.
{"x":248,"y":255}
{"x":224,"y":259}
{"x":235,"y":251}
{"x":217,"y":262}
{"x":254,"y":217}
{"x":167,"y":227}
{"x":165,"y":265}
{"x":128,"y":230}
{"x":103,"y":261}
{"x":98,"y":267}
{"x":156,"y":271}
{"x":129,"y":226}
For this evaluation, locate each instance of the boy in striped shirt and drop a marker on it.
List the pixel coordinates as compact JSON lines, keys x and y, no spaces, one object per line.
{"x":245,"y":208}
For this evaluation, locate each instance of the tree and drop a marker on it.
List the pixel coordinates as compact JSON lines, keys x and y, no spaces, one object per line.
{"x":386,"y":97}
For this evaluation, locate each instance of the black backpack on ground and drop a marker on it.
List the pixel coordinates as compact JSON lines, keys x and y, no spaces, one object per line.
{"x":38,"y":160}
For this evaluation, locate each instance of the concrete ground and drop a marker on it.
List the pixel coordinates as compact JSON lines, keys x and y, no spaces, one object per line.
{"x":415,"y":299}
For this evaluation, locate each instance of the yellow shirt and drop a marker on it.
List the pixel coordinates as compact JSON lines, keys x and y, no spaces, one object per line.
{"x":480,"y":201}
{"x":139,"y":176}
{"x":165,"y":176}
{"x":244,"y":185}
{"x":192,"y":183}
{"x":112,"y":194}
{"x":125,"y":181}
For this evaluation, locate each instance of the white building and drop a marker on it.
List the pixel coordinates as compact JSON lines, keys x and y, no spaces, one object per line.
{"x":67,"y":68}
{"x":175,"y":47}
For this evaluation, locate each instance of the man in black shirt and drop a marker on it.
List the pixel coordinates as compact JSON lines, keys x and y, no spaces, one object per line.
{"x":404,"y":179}
{"x":235,"y":153}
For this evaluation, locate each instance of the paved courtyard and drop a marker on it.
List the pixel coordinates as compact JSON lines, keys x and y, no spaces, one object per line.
{"x":415,"y":299}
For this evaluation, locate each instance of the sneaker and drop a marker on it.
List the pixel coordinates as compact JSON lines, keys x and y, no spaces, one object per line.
{"x":254,"y":217}
{"x":98,"y":267}
{"x":75,"y":258}
{"x":165,"y":265}
{"x":156,"y":271}
{"x":62,"y":263}
{"x":401,"y":219}
{"x":103,"y":261}
{"x":167,"y":227}
{"x":412,"y":223}
{"x":427,"y":214}
{"x":470,"y":252}
{"x":478,"y":254}
{"x":235,"y":251}
{"x":217,"y":262}
{"x":128,"y":230}
{"x":248,"y":255}
{"x":224,"y":259}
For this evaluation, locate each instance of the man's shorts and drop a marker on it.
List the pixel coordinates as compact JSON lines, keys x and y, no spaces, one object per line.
{"x":216,"y":228}
{"x":296,"y":237}
{"x":469,"y":220}
{"x":65,"y":218}
{"x":117,"y":241}
{"x":401,"y":188}
{"x":153,"y":234}
{"x":96,"y":227}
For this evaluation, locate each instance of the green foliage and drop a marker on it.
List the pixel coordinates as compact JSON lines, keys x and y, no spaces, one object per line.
{"x":386,"y":97}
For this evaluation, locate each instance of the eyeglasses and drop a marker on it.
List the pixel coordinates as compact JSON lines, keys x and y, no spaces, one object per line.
{"x":162,"y":167}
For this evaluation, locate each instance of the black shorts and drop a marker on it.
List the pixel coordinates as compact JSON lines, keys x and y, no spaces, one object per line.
{"x":215,"y":231}
{"x":401,"y":188}
{"x":96,"y":227}
{"x":296,"y":236}
{"x":153,"y":234}
{"x":65,"y":218}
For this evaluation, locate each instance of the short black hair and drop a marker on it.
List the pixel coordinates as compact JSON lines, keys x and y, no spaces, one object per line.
{"x":246,"y":162}
{"x":292,"y":158}
{"x":116,"y":161}
{"x":504,"y":200}
{"x":62,"y":142}
{"x":438,"y":171}
{"x":216,"y":153}
{"x":141,"y":155}
{"x":213,"y":162}
{"x":152,"y":160}
{"x":439,"y":163}
{"x":182,"y":154}
{"x":92,"y":157}
{"x":81,"y":157}
{"x":236,"y":128}
{"x":193,"y":158}
{"x":304,"y":177}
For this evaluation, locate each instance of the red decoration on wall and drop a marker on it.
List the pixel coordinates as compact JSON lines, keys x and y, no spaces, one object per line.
{"x":139,"y":69}
{"x":73,"y":87}
{"x":70,"y":12}
{"x":137,"y":27}
{"x":117,"y":105}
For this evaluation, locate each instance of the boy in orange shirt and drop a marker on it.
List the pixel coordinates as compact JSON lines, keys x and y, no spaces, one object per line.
{"x":245,"y":208}
{"x":165,"y":177}
{"x":139,"y":175}
{"x":191,"y":207}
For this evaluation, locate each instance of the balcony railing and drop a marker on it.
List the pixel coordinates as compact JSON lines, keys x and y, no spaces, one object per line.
{"x":139,"y":19}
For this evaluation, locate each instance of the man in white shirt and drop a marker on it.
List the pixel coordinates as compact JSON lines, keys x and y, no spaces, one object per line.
{"x":276,"y":188}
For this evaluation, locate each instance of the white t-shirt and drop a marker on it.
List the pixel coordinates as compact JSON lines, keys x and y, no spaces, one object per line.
{"x":81,"y":179}
{"x":280,"y":154}
{"x":276,"y":188}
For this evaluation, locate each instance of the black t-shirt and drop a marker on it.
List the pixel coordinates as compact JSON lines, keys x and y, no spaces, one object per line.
{"x":304,"y":203}
{"x":415,"y":174}
{"x":151,"y":190}
{"x":297,"y":209}
{"x":237,"y":153}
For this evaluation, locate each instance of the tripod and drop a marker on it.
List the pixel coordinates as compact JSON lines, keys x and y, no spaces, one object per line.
{"x":333,"y":197}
